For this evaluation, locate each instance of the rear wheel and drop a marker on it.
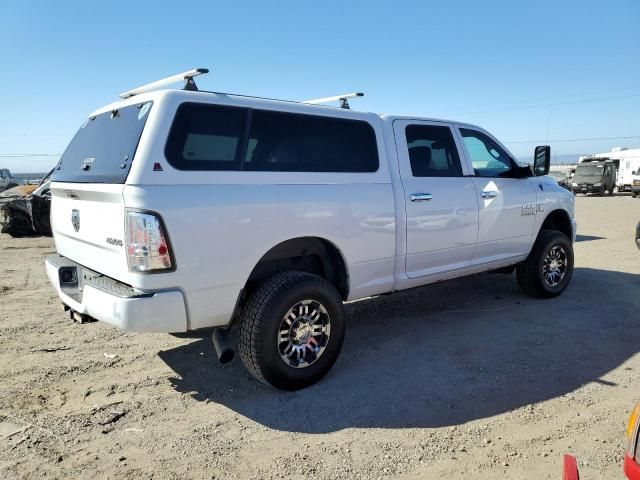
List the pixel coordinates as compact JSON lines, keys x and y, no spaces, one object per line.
{"x":291,"y":330}
{"x":548,"y":269}
{"x":634,"y":194}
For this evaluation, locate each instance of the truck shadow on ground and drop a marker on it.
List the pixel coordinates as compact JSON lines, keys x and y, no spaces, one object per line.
{"x":440,"y":355}
{"x":588,"y":238}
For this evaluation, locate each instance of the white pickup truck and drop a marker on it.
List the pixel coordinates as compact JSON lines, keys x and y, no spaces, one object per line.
{"x":177,"y":210}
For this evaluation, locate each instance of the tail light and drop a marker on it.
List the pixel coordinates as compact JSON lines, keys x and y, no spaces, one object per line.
{"x":147,"y":246}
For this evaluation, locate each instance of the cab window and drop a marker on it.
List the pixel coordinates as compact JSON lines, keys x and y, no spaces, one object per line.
{"x":432,"y":151}
{"x":487,"y":157}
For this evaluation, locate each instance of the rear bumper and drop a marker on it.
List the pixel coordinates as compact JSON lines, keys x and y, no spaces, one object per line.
{"x":115,"y":303}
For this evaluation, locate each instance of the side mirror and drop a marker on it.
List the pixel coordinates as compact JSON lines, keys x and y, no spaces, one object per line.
{"x":541,"y":160}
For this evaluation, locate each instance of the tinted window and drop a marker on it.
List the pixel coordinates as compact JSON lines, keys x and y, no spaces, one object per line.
{"x":206,"y":137}
{"x":432,"y":151}
{"x":102,"y":150}
{"x":212,"y":137}
{"x":487,"y":157}
{"x":287,"y":142}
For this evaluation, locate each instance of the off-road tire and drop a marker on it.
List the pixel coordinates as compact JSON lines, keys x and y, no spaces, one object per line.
{"x":261,"y":320}
{"x":530,"y":272}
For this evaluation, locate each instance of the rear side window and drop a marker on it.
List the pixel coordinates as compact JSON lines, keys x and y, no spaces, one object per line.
{"x":432,"y":151}
{"x":286,"y":142}
{"x":102,"y":150}
{"x":206,"y":138}
{"x":214,"y":137}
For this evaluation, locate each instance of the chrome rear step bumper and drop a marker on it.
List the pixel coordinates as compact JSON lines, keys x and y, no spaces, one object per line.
{"x":89,"y":293}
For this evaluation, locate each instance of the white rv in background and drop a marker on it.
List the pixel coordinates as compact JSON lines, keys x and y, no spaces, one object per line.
{"x":627,"y":161}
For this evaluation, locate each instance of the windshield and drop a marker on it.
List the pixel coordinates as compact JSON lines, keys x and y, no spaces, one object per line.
{"x":102,"y":150}
{"x":590,"y":170}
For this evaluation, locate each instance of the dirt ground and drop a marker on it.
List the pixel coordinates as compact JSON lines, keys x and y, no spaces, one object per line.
{"x":464,"y":379}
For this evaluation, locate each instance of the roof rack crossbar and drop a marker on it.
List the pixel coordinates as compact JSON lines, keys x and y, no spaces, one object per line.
{"x":187,"y":77}
{"x":336,"y":98}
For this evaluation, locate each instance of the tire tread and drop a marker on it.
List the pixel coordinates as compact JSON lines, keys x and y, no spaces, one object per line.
{"x":527,"y":271}
{"x":261,"y":301}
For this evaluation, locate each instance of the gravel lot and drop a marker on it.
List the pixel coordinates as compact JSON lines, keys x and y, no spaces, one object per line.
{"x":464,"y":379}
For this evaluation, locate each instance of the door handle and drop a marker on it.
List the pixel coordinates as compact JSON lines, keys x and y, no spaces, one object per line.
{"x":421,"y":197}
{"x":490,"y":193}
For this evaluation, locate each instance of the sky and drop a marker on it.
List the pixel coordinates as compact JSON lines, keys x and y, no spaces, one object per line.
{"x":564,"y":73}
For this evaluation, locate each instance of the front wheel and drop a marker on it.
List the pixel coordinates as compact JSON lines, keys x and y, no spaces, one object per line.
{"x":291,"y":330}
{"x":548,"y":269}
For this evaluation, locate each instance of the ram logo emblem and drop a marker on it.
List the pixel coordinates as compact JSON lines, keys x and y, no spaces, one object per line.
{"x":75,"y":219}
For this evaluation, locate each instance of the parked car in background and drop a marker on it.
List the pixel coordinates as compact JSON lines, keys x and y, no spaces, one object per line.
{"x":7,"y":180}
{"x":594,"y":177}
{"x":628,"y":169}
{"x":631,"y":465}
{"x":562,"y":177}
{"x":25,"y":209}
{"x":632,"y":455}
{"x":635,"y":184}
{"x":180,"y":210}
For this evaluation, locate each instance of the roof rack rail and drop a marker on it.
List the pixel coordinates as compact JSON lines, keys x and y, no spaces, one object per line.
{"x":336,"y":98}
{"x":187,"y":76}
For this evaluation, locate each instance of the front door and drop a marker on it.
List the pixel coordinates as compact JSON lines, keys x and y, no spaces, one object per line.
{"x":507,"y":204}
{"x":441,"y":203}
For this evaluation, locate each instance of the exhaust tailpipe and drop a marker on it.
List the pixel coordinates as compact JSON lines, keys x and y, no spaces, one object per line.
{"x":79,"y":317}
{"x":222,"y":343}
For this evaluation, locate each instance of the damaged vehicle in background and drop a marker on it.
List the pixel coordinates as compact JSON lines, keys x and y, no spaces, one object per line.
{"x":562,"y":177}
{"x":7,"y":180}
{"x":25,"y":209}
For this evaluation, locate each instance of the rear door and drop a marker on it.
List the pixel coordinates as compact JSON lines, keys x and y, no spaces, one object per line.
{"x":507,"y":204}
{"x":441,"y":203}
{"x":87,"y":206}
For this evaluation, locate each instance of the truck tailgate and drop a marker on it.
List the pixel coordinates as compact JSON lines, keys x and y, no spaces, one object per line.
{"x":87,"y":220}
